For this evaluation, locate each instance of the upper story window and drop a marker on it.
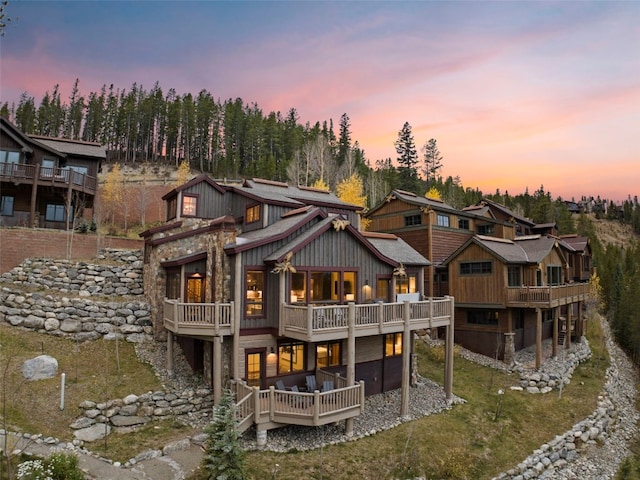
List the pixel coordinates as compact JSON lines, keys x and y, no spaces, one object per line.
{"x":189,"y":205}
{"x":254,"y":299}
{"x":475,"y":268}
{"x":485,"y":229}
{"x":47,"y":168}
{"x":172,"y":208}
{"x":443,"y":220}
{"x":325,"y":286}
{"x":411,"y":220}
{"x":463,"y":223}
{"x":7,"y":156}
{"x":514,"y":276}
{"x":253,"y":213}
{"x":172,"y":288}
{"x":407,"y":283}
{"x":554,"y":275}
{"x":6,"y":205}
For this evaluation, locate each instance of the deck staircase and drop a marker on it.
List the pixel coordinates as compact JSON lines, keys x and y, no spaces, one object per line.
{"x":562,"y":337}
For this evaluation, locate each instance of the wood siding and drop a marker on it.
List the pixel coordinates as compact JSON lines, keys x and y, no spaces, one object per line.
{"x":485,"y":289}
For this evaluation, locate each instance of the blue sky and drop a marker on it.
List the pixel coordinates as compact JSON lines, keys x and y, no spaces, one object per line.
{"x":517,"y":94}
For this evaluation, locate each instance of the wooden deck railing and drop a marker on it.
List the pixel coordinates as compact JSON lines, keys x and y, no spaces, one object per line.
{"x":209,"y":319}
{"x":57,"y":177}
{"x":322,"y":322}
{"x":284,"y":407}
{"x":549,"y":295}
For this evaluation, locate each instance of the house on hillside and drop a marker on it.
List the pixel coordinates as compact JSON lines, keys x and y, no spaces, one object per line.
{"x":275,"y":289}
{"x":445,"y":235}
{"x":46,"y":182}
{"x":514,"y":293}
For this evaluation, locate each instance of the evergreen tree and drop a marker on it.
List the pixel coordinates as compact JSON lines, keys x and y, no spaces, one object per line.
{"x":224,"y":459}
{"x":344,"y":142}
{"x":432,"y":160}
{"x":407,"y":159}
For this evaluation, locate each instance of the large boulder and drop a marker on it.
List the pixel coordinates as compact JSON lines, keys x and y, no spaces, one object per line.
{"x":43,"y":366}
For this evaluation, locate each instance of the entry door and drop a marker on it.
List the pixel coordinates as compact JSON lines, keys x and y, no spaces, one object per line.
{"x":255,"y":371}
{"x":195,"y":289}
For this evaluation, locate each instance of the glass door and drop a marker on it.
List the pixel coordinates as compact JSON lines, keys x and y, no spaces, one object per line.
{"x":255,"y":369}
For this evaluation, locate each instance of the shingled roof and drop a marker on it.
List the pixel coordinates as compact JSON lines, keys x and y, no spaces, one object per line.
{"x":73,"y":147}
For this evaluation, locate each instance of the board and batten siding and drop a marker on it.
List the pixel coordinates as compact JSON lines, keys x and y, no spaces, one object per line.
{"x":211,"y":203}
{"x":487,"y":289}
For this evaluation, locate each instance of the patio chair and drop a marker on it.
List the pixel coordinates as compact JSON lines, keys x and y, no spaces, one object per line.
{"x":311,"y":383}
{"x":327,"y":385}
{"x":280,"y":385}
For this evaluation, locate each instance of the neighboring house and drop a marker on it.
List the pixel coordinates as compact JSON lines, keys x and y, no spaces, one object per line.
{"x":512,"y":294}
{"x":434,"y":229}
{"x":515,"y":273}
{"x":268,"y":285}
{"x":46,"y":182}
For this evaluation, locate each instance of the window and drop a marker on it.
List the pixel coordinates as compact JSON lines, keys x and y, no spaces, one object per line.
{"x":393,"y":345}
{"x":328,"y":354}
{"x":77,"y":173}
{"x":554,"y":275}
{"x":298,"y":292}
{"x":291,"y":357}
{"x":8,"y":158}
{"x":255,"y":287}
{"x":518,"y":319}
{"x":485,"y":229}
{"x":55,"y":213}
{"x":411,"y":220}
{"x":514,"y":276}
{"x":253,"y":214}
{"x":172,"y":208}
{"x":332,"y":286}
{"x":172,"y":290}
{"x":6,"y":206}
{"x":382,"y":290}
{"x":407,"y":284}
{"x":443,"y":220}
{"x":47,"y":167}
{"x":482,"y":317}
{"x":189,"y":205}
{"x":475,"y":268}
{"x":463,"y":223}
{"x":349,"y":286}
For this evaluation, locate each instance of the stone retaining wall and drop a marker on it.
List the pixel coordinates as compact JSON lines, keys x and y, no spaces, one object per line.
{"x":193,"y":406}
{"x":119,"y":275}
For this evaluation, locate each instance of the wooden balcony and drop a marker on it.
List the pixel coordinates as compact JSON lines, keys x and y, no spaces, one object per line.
{"x":20,"y":173}
{"x":273,"y":408}
{"x":198,"y":319}
{"x":315,"y":323}
{"x":550,"y":296}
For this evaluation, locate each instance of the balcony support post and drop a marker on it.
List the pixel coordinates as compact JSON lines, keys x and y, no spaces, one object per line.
{"x":217,"y":369}
{"x":538,"y":337}
{"x":406,"y":359}
{"x":351,"y":359}
{"x":569,"y":324}
{"x":34,"y":193}
{"x":448,"y":360}
{"x":170,"y":353}
{"x":554,"y":348}
{"x":237,"y":313}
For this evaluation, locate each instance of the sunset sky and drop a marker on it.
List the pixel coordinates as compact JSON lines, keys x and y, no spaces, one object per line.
{"x":517,"y":94}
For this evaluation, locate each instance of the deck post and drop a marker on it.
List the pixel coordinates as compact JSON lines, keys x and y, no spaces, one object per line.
{"x":217,"y":369}
{"x":34,"y":222}
{"x":237,"y":313}
{"x":406,"y":359}
{"x":351,"y":359}
{"x":448,"y":362}
{"x":554,"y":348}
{"x":170,"y":353}
{"x":538,"y":338}
{"x":569,"y":324}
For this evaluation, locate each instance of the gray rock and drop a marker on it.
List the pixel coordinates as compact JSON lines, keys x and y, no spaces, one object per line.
{"x":43,"y":366}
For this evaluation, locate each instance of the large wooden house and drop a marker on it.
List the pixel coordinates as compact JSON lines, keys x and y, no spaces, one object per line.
{"x":46,"y":182}
{"x":513,"y":303}
{"x":276,"y":289}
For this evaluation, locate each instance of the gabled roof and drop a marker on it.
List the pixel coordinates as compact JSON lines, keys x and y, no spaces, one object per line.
{"x":194,"y":181}
{"x":413,"y":199}
{"x":73,"y":147}
{"x":507,"y":212}
{"x":531,"y":249}
{"x":575,"y":242}
{"x":396,"y":249}
{"x":12,"y":131}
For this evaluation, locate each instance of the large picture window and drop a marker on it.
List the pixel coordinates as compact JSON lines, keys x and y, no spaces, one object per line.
{"x":291,"y":357}
{"x":325,"y":286}
{"x":407,"y":283}
{"x":255,"y":293}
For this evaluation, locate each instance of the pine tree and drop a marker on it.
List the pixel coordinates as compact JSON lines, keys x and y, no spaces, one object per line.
{"x":407,"y":159}
{"x":344,"y":142}
{"x":432,"y":160}
{"x":224,"y":458}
